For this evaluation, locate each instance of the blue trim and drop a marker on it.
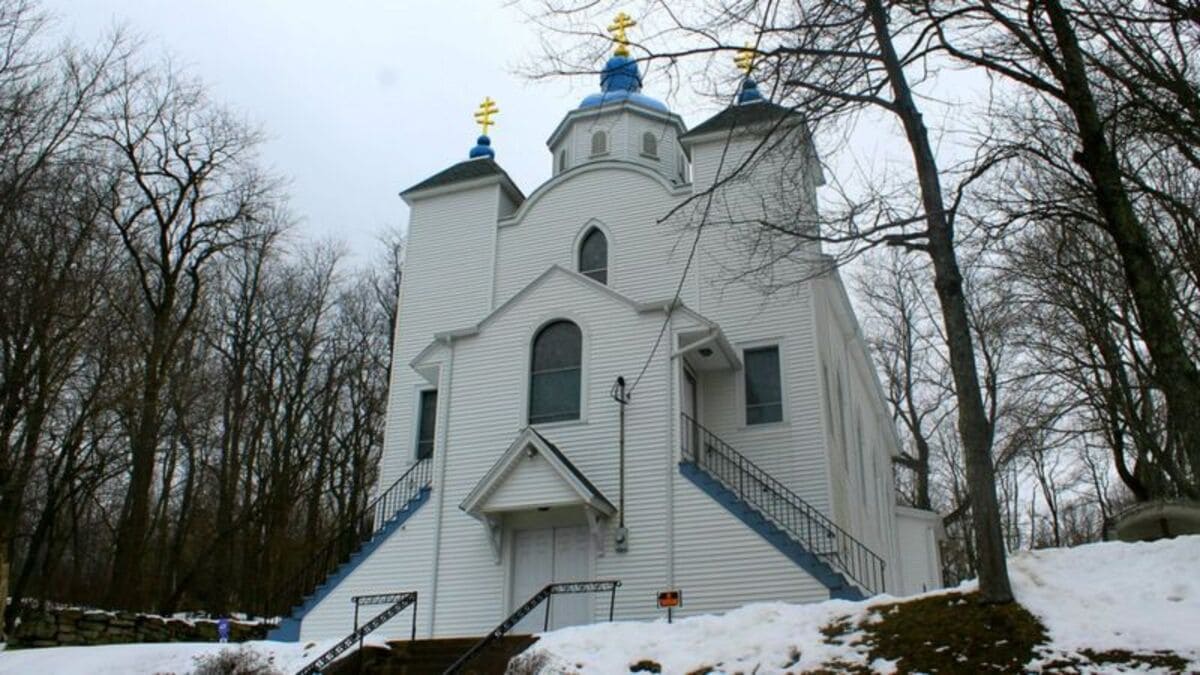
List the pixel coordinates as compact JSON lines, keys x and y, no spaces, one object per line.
{"x":288,"y":629}
{"x":839,"y":587}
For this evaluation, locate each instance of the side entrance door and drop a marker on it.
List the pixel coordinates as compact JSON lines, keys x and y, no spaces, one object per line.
{"x":688,"y":423}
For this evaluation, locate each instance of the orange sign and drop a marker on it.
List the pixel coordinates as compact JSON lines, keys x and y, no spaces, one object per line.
{"x":668,"y":599}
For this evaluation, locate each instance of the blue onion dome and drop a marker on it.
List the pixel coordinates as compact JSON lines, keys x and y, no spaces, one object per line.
{"x":749,"y":92}
{"x":621,"y":81}
{"x":483,"y":148}
{"x":620,"y":73}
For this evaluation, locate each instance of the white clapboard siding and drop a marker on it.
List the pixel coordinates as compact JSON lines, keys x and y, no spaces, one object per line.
{"x":446,"y":285}
{"x":401,"y":563}
{"x":533,"y":480}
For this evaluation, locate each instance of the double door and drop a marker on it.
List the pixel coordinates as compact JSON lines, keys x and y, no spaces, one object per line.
{"x":548,"y":555}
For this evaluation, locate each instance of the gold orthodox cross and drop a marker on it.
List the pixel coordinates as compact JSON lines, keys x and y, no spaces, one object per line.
{"x":483,"y":116}
{"x":745,"y":59}
{"x":620,"y":23}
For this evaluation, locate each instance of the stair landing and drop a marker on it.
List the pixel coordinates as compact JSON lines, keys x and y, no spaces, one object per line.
{"x":430,"y":657}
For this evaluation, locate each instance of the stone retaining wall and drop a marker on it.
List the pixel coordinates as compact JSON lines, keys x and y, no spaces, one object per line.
{"x":71,"y":626}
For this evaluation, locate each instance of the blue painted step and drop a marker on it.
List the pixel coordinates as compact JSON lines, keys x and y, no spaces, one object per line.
{"x":288,"y":630}
{"x":839,"y":587}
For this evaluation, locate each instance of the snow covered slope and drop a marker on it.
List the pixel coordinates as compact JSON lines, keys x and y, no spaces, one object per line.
{"x":1140,"y":598}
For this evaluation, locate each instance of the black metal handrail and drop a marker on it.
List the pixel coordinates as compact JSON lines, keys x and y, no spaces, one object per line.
{"x":531,"y":604}
{"x":364,"y":525}
{"x":783,"y":507}
{"x":399,"y":602}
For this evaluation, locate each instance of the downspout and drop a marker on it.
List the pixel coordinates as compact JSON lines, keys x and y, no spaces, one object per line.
{"x":441,"y":459}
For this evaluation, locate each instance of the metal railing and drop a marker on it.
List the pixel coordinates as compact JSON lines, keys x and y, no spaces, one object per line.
{"x":531,"y":604}
{"x":398,"y":603}
{"x":364,"y":525}
{"x":782,"y":507}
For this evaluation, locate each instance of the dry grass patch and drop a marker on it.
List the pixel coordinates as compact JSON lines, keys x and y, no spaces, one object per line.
{"x":951,"y":633}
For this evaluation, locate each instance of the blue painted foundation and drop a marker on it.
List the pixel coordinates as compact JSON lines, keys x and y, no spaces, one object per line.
{"x":839,"y":587}
{"x":288,"y":630}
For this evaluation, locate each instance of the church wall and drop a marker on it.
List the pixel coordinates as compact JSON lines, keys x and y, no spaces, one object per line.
{"x":401,"y":563}
{"x":490,"y":373}
{"x":720,"y":563}
{"x":861,"y":470}
{"x":626,"y":204}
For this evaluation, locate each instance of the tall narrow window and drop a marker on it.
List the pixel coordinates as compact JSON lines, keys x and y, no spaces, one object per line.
{"x":599,"y":143}
{"x":555,"y":371}
{"x":426,"y":423}
{"x":562,"y":161}
{"x":649,"y":144}
{"x":764,"y":398}
{"x":593,"y":256}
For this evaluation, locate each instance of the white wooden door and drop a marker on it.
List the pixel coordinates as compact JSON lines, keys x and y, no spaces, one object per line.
{"x":533,"y":568}
{"x":544,"y":556}
{"x":571,"y":548}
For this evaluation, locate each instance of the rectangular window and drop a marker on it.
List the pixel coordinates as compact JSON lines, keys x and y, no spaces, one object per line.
{"x":426,"y":423}
{"x":764,"y":397}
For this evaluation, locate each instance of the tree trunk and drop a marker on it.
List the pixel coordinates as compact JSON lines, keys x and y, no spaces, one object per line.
{"x":1177,"y":374}
{"x":128,"y":585}
{"x":972,"y":420}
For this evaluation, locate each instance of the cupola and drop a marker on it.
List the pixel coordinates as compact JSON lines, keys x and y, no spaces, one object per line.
{"x":619,"y":122}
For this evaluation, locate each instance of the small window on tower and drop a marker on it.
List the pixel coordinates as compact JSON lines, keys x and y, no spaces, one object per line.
{"x":599,"y":143}
{"x":649,"y":144}
{"x":562,"y":161}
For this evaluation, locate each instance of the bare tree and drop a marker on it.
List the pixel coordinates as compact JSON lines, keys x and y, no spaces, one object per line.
{"x":1057,"y":55}
{"x":183,"y":186}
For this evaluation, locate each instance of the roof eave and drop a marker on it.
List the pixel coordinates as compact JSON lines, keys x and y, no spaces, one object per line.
{"x":415,"y":194}
{"x":616,"y":106}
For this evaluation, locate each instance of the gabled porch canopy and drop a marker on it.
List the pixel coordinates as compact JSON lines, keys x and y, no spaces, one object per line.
{"x":533,"y":474}
{"x":705,"y":348}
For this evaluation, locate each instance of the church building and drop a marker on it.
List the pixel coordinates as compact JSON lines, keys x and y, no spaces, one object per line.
{"x":586,"y":388}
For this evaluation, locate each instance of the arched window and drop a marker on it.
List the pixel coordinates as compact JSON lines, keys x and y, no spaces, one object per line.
{"x":555,"y":373}
{"x":593,"y":256}
{"x":649,"y":144}
{"x":599,"y":143}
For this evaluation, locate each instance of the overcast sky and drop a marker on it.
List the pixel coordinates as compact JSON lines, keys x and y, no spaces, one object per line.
{"x":359,"y":98}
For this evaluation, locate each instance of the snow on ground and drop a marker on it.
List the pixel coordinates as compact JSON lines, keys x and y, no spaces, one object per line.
{"x":167,"y":658}
{"x":768,"y":636}
{"x":1137,"y":597}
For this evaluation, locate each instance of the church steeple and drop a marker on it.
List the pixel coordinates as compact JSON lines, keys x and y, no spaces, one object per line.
{"x":483,"y":117}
